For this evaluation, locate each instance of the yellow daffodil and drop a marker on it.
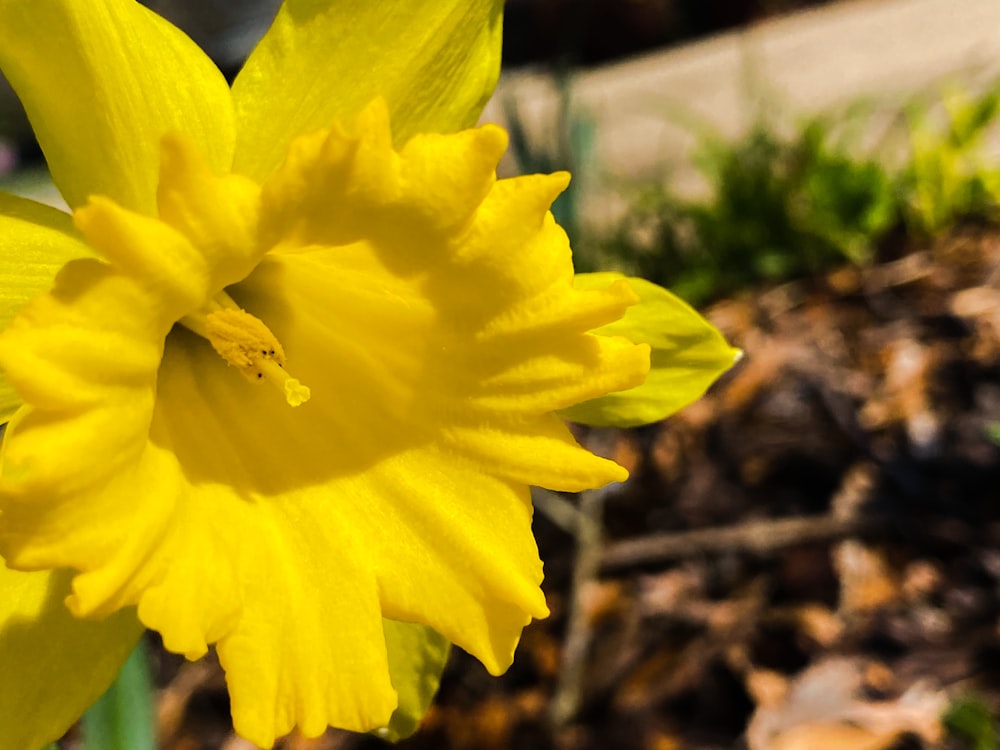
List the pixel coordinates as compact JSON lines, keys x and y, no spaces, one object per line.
{"x":282,"y":380}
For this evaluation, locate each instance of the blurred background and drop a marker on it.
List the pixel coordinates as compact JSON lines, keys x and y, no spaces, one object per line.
{"x":537,"y":32}
{"x":809,"y":557}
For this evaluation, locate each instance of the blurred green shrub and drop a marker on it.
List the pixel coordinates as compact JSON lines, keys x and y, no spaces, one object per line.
{"x":970,"y":720}
{"x":948,"y":175}
{"x":778,"y":208}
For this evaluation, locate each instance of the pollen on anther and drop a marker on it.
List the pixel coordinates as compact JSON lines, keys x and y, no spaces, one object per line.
{"x":247,"y":344}
{"x":242,"y":340}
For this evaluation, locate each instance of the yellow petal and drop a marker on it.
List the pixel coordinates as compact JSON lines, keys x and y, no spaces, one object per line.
{"x":217,"y":214}
{"x":102,"y":83}
{"x":450,"y":533}
{"x":688,"y":354}
{"x":38,"y":240}
{"x":307,"y":647}
{"x":330,"y":536}
{"x":291,"y":601}
{"x":434,"y":61}
{"x":338,"y":186}
{"x":204,"y":239}
{"x":54,"y":665}
{"x":354,"y":327}
{"x":85,"y":357}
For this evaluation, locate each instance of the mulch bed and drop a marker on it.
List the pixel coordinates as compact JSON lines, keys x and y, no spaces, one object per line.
{"x":809,"y":557}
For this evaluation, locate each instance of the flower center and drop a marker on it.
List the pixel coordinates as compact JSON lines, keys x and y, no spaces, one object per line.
{"x":247,"y":344}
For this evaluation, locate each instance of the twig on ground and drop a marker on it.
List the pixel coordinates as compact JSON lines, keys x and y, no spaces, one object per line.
{"x":754,"y":537}
{"x":569,"y":691}
{"x":562,"y":512}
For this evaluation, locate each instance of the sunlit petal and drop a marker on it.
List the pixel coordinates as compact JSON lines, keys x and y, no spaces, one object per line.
{"x":54,"y":665}
{"x":102,"y":82}
{"x":435,"y":62}
{"x":38,"y":241}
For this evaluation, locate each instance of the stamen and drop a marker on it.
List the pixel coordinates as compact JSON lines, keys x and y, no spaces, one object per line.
{"x":247,"y":344}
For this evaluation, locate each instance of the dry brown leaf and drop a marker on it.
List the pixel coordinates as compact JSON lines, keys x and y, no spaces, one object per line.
{"x":980,"y":306}
{"x":767,"y":688}
{"x":922,"y":579}
{"x":734,"y":317}
{"x":832,"y":737}
{"x":626,"y":452}
{"x":238,"y":743}
{"x":866,"y":580}
{"x":977,"y":302}
{"x":905,"y":366}
{"x":661,"y":741}
{"x":600,"y":600}
{"x":766,"y":358}
{"x":667,"y":592}
{"x":296,"y":741}
{"x":856,"y":487}
{"x":823,"y":708}
{"x":820,"y":624}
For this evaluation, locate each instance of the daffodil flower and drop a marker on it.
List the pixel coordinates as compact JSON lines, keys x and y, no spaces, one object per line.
{"x":281,"y":381}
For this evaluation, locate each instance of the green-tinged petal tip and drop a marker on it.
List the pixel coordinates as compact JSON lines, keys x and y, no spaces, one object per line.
{"x":417,"y":657}
{"x":688,"y":355}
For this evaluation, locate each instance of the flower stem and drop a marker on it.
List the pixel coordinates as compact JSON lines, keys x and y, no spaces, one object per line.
{"x":122,"y":718}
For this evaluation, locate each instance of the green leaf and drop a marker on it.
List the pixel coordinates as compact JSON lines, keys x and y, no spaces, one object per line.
{"x":688,"y":354}
{"x":417,"y":657}
{"x":122,"y":718}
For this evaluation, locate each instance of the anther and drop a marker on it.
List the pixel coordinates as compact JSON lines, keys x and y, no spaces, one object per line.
{"x":248,"y":345}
